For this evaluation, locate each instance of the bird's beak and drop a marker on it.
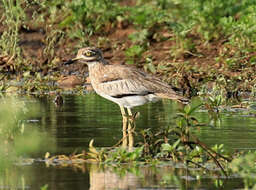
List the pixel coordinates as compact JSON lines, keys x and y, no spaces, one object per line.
{"x":71,"y":61}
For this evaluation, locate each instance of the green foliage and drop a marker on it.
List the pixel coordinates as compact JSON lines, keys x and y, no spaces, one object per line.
{"x":117,"y":155}
{"x":213,"y":105}
{"x":208,"y":16}
{"x":95,"y":155}
{"x":174,"y":150}
{"x":242,"y":26}
{"x":149,"y":66}
{"x":53,"y":37}
{"x":174,"y":143}
{"x":187,"y":114}
{"x":11,"y":114}
{"x":45,"y":187}
{"x":183,"y":44}
{"x":147,"y":15}
{"x":14,"y":17}
{"x":122,"y":155}
{"x":215,"y":102}
{"x":19,"y":139}
{"x":93,"y":15}
{"x":133,"y":53}
{"x":191,"y":26}
{"x":139,"y":37}
{"x":244,"y":165}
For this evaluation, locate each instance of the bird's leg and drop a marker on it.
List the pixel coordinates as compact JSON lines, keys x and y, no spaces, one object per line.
{"x":130,"y":128}
{"x":125,"y":121}
{"x":132,"y":117}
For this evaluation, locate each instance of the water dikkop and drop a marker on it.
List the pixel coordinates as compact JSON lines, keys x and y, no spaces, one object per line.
{"x":126,"y":86}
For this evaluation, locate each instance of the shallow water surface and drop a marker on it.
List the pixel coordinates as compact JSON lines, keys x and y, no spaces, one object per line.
{"x":86,"y":117}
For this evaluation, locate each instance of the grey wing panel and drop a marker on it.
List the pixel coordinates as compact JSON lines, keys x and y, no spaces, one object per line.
{"x":123,"y":87}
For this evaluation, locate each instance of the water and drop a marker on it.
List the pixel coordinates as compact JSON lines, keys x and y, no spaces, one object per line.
{"x":82,"y":118}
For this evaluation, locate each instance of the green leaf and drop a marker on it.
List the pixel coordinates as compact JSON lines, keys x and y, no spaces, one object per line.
{"x":194,"y":108}
{"x":187,"y":109}
{"x":176,"y":143}
{"x":167,"y":147}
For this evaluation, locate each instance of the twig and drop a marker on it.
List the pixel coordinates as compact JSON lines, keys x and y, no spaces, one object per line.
{"x":208,"y":151}
{"x":205,"y":146}
{"x":198,"y":165}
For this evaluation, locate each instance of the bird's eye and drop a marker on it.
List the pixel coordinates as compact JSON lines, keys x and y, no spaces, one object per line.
{"x":88,"y":53}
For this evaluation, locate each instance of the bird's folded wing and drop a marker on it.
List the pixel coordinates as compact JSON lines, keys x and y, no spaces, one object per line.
{"x":123,"y":87}
{"x":124,"y":81}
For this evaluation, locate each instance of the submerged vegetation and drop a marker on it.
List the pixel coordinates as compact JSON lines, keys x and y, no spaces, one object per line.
{"x":173,"y":145}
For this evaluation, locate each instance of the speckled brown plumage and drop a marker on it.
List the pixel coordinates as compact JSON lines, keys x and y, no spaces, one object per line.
{"x":126,"y":86}
{"x":116,"y":80}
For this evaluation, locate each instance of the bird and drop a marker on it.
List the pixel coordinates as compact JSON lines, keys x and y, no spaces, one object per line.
{"x":58,"y":100}
{"x":126,"y":86}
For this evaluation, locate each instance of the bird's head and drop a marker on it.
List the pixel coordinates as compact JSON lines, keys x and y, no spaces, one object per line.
{"x":87,"y":55}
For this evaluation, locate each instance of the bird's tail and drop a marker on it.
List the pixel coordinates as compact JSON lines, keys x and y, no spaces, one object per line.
{"x":183,"y":100}
{"x":179,"y":98}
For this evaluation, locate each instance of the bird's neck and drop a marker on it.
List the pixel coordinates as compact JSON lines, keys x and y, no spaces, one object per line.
{"x":96,"y":70}
{"x":97,"y":64}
